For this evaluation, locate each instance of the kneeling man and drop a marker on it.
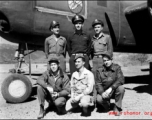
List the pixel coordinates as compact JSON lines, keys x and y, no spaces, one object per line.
{"x":53,"y":86}
{"x":109,"y":83}
{"x":82,"y":85}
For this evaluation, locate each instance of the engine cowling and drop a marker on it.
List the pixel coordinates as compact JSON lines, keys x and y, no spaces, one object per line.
{"x":4,"y":23}
{"x":149,"y":4}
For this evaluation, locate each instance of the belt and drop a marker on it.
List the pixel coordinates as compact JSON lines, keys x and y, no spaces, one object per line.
{"x":58,"y":54}
{"x":79,"y":54}
{"x":98,"y":56}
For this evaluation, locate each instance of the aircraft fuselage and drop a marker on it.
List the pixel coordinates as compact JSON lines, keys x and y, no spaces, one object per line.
{"x":29,"y":21}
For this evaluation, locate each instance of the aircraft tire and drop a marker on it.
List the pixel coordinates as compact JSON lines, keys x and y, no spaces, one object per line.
{"x":16,"y":88}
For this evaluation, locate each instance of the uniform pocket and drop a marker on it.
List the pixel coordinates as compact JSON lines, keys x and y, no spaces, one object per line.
{"x":84,"y":81}
{"x":103,"y":42}
{"x":52,"y":44}
{"x":109,"y":79}
{"x":61,"y":43}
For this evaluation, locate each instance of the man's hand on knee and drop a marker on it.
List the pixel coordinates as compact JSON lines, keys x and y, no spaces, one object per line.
{"x":55,"y":95}
{"x":77,"y":98}
{"x":108,"y":91}
{"x":105,"y":95}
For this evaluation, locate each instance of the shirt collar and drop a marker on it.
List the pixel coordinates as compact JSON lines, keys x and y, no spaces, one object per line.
{"x":83,"y":72}
{"x":100,"y":35}
{"x":79,"y":32}
{"x":56,"y":75}
{"x":53,"y":36}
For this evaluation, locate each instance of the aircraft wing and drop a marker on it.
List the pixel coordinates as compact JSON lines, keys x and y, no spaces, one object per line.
{"x":140,"y":21}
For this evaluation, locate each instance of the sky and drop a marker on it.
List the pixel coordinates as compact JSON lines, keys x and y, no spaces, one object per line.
{"x":3,"y":41}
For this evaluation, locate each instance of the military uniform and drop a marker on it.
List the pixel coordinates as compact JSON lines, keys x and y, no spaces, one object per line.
{"x":56,"y":47}
{"x":100,"y":45}
{"x":106,"y":78}
{"x":82,"y":87}
{"x":78,"y":43}
{"x":59,"y":83}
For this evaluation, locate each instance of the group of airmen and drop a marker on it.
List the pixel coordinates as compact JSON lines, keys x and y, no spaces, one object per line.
{"x":88,"y":86}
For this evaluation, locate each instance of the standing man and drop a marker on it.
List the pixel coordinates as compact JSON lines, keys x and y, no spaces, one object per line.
{"x":109,"y":82}
{"x":78,"y":43}
{"x":53,"y":86}
{"x":101,"y":43}
{"x":82,"y":85}
{"x":55,"y":45}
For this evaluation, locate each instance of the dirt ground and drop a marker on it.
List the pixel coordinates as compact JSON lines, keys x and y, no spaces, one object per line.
{"x":137,"y":101}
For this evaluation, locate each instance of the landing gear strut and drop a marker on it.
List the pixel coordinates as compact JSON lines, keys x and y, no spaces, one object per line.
{"x":19,"y":55}
{"x":150,"y":84}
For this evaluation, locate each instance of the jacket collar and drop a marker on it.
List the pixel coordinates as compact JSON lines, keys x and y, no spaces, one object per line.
{"x":112,"y":68}
{"x":60,"y":72}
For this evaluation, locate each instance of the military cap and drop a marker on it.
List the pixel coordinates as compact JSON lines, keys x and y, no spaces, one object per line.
{"x":77,"y":18}
{"x":53,"y":59}
{"x":53,"y":24}
{"x":108,"y":55}
{"x":79,"y":56}
{"x":96,"y":21}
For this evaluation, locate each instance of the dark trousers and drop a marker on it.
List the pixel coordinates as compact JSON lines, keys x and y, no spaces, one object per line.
{"x":118,"y":96}
{"x":43,"y":94}
{"x":62,"y":62}
{"x":97,"y":63}
{"x":72,"y":63}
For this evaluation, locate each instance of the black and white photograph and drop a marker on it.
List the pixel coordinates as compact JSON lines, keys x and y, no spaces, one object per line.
{"x":76,"y":59}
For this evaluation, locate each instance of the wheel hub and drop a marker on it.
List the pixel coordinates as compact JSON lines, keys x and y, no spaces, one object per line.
{"x":17,"y":88}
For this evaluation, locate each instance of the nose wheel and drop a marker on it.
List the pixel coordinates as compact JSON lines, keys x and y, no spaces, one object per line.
{"x":16,"y":88}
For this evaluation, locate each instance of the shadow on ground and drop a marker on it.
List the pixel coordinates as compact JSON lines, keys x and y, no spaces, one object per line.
{"x":144,"y":79}
{"x":143,"y":89}
{"x":33,"y":74}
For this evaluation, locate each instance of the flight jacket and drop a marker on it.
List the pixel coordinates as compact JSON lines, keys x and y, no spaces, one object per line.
{"x":112,"y":77}
{"x":61,"y":85}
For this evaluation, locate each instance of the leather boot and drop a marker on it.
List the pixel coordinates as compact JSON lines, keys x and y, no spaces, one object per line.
{"x":117,"y":111}
{"x":41,"y":113}
{"x":85,"y":112}
{"x":61,"y":110}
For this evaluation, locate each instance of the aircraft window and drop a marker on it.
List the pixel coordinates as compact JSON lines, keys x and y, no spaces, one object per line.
{"x":102,"y":3}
